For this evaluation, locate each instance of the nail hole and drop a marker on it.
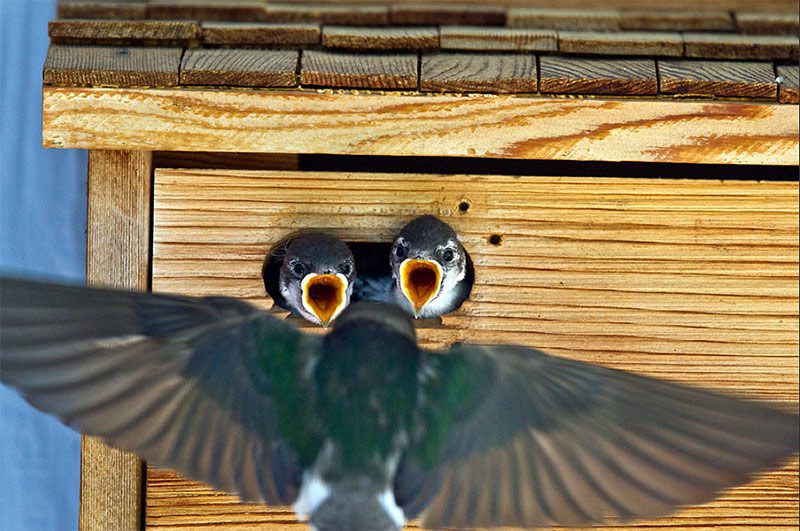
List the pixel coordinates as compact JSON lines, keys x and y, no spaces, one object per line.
{"x":463,"y":206}
{"x":495,"y":239}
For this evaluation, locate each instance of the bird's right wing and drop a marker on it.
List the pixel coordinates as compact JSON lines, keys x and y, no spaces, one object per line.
{"x":515,"y":437}
{"x":211,"y":387}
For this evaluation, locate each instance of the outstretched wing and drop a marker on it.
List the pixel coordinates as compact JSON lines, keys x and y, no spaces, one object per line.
{"x":186,"y":383}
{"x":514,"y":436}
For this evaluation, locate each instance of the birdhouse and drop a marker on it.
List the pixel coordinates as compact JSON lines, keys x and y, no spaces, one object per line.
{"x":624,"y":180}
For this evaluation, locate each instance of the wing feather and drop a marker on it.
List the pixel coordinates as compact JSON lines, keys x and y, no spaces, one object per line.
{"x":177,"y":380}
{"x":586,"y":443}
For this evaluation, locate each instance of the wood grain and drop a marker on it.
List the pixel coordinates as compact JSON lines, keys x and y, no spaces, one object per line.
{"x":488,"y":38}
{"x":675,"y":20}
{"x":88,"y":31}
{"x":463,"y":72}
{"x":790,"y":81}
{"x":358,"y":38}
{"x":569,"y":75}
{"x":372,"y":71}
{"x":112,"y":65}
{"x":438,"y":14}
{"x":346,"y":15}
{"x":397,"y":124}
{"x":691,"y":281}
{"x":240,"y":67}
{"x":740,"y":47}
{"x":260,"y":33}
{"x":564,"y":19}
{"x":664,"y":44}
{"x":718,"y":78}
{"x":767,"y":23}
{"x":101,"y":9}
{"x":220,"y":10}
{"x":117,"y":254}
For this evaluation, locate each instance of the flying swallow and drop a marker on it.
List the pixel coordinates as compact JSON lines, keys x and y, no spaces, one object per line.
{"x":430,"y":267}
{"x":362,"y":429}
{"x":316,"y":273}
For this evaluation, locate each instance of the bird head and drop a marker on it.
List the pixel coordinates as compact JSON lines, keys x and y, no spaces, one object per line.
{"x":316,"y":277}
{"x":427,"y":260}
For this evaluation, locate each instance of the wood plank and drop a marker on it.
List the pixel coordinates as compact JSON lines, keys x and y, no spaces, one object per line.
{"x":399,"y":124}
{"x":112,"y":65}
{"x":675,"y":20}
{"x":662,"y":44}
{"x":564,"y":19}
{"x":260,"y":33}
{"x":99,"y":9}
{"x":741,"y":47}
{"x":240,"y":67}
{"x":729,"y":5}
{"x":344,"y":15}
{"x":205,"y":10}
{"x":439,"y":14}
{"x":117,"y":254}
{"x":718,"y":78}
{"x":759,"y":22}
{"x":694,"y":281}
{"x":463,"y":72}
{"x":488,"y":38}
{"x":570,"y":75}
{"x":372,"y":71}
{"x":359,"y":38}
{"x":89,"y":31}
{"x":790,"y":84}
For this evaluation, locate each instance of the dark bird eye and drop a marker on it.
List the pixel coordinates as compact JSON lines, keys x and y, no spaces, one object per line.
{"x":299,"y":269}
{"x":448,"y":255}
{"x":346,"y":269}
{"x":400,"y":251}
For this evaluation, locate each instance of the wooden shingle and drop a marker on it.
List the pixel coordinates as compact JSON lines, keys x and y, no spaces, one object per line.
{"x":358,"y":38}
{"x":112,"y":65}
{"x":359,"y":70}
{"x":496,"y":73}
{"x":675,"y":20}
{"x":239,"y":67}
{"x":260,"y":33}
{"x":789,"y":84}
{"x":731,"y":46}
{"x":121,"y":10}
{"x":439,"y":14}
{"x":487,"y":38}
{"x":579,"y":75}
{"x":90,"y":31}
{"x":765,"y":23}
{"x":664,"y":44}
{"x":220,"y":10}
{"x":343,"y":15}
{"x":717,"y":78}
{"x":564,"y":19}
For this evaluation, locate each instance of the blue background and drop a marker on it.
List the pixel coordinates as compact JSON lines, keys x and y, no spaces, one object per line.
{"x":42,"y":233}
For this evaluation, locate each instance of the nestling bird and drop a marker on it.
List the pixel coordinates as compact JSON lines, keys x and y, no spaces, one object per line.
{"x":315,"y":279}
{"x":430,"y":268}
{"x":362,"y":429}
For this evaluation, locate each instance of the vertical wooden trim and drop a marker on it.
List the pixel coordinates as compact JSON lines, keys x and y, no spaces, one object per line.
{"x":117,"y":254}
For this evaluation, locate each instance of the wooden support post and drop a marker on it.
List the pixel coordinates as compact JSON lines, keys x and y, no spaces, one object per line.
{"x":117,"y":254}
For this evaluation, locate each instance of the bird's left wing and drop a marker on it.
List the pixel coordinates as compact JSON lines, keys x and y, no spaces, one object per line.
{"x":515,"y":437}
{"x":186,"y":383}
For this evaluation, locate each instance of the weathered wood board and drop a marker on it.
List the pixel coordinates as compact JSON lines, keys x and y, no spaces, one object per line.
{"x":398,"y":124}
{"x":692,"y":281}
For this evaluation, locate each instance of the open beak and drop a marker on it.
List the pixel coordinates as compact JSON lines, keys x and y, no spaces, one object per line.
{"x":420,"y":281}
{"x":324,"y":295}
